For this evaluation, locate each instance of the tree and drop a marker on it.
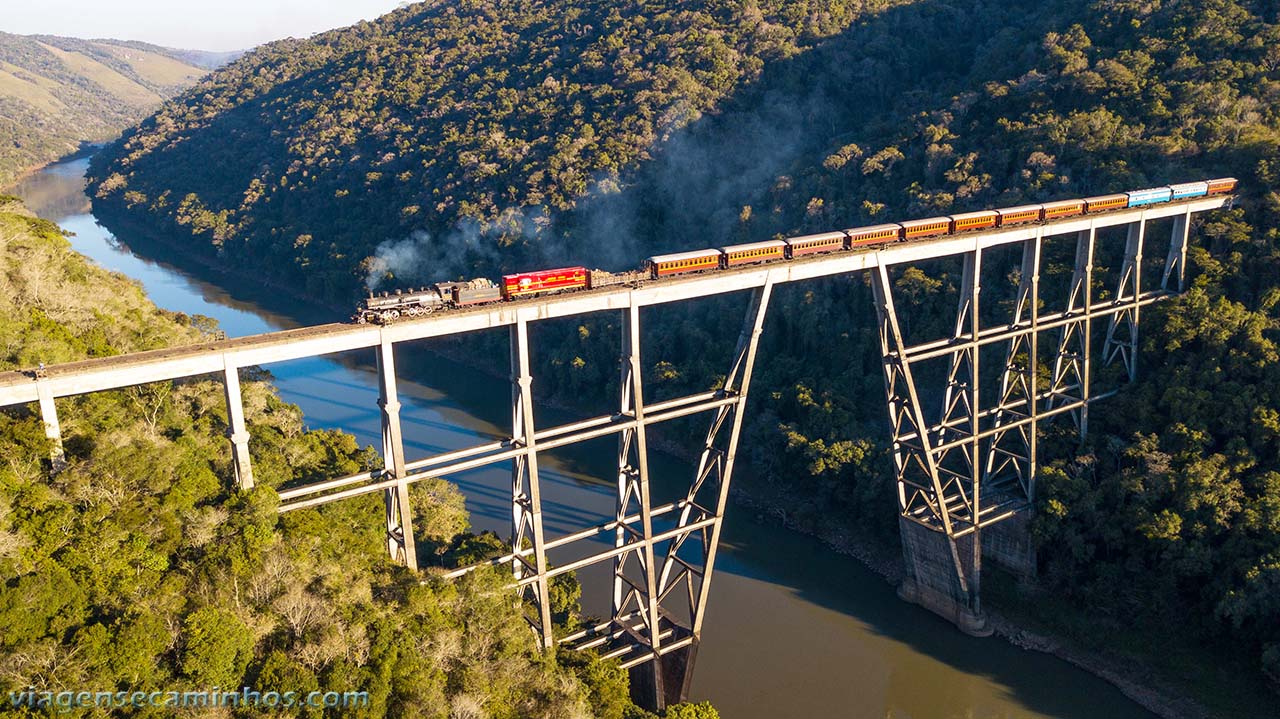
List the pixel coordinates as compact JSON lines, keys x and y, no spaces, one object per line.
{"x":217,"y":647}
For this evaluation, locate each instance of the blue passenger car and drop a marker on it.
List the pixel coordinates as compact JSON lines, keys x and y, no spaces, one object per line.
{"x":1152,"y":196}
{"x":1189,"y":189}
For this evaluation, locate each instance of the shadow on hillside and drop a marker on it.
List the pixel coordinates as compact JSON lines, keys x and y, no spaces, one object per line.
{"x":693,"y":191}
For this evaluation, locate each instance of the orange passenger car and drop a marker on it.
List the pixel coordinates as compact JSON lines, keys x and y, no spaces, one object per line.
{"x":912,"y":229}
{"x":1019,"y":215}
{"x":682,"y":262}
{"x":815,"y":244}
{"x":754,"y":252}
{"x":1102,"y":203}
{"x":974,"y":220}
{"x":1062,"y":208}
{"x":874,"y":235}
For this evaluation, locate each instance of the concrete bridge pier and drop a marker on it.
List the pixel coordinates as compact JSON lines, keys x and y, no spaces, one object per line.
{"x":1008,"y":544}
{"x":943,"y":575}
{"x":52,"y":427}
{"x":664,"y":681}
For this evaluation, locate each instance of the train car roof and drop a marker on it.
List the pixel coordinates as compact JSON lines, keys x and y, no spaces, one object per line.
{"x":1062,"y":203}
{"x":818,"y":236}
{"x":874,"y":228}
{"x":1188,"y":185}
{"x":977,"y":213}
{"x":1110,"y":196}
{"x":542,"y":272}
{"x":767,"y":244}
{"x":1150,"y":189}
{"x":1020,"y":208}
{"x":925,"y":221}
{"x":678,"y":256}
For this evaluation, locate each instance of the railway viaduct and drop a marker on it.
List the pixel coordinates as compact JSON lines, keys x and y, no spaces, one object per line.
{"x":965,"y":454}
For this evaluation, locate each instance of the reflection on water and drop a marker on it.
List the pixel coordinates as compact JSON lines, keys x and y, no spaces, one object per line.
{"x":792,"y":630}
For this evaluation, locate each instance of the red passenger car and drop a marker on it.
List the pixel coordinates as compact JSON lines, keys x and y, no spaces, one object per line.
{"x":532,"y":283}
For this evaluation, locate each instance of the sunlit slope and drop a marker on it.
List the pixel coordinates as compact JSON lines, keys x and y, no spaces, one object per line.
{"x":56,"y":93}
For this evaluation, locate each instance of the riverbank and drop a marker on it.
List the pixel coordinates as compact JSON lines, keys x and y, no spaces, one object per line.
{"x":85,"y":149}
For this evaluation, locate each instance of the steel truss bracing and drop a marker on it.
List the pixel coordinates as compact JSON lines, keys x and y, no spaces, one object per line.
{"x":1069,"y":380}
{"x":662,"y":581}
{"x":1122,"y":330}
{"x":662,"y":555}
{"x":526,"y":490}
{"x":976,"y":465}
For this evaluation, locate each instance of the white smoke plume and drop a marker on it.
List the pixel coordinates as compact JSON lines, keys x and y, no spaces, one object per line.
{"x":397,"y":258}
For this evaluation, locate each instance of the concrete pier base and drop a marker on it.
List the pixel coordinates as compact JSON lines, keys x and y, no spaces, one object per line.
{"x":941,"y":576}
{"x":665,"y":681}
{"x":1008,"y":544}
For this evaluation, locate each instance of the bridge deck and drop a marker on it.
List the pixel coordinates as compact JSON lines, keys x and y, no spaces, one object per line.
{"x":126,"y":370}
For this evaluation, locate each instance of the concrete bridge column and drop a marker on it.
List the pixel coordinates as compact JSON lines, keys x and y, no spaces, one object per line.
{"x":236,"y":431}
{"x":396,"y":499}
{"x":52,"y":429}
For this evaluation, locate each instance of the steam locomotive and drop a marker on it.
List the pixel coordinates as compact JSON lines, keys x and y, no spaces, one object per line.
{"x":390,"y":306}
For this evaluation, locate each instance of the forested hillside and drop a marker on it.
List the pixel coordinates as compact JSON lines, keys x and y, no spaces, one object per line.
{"x":136,"y":569}
{"x":407,"y":150}
{"x":472,"y":122}
{"x":59,"y":92}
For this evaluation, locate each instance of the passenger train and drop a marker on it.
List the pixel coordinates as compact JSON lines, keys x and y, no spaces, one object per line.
{"x":390,"y":306}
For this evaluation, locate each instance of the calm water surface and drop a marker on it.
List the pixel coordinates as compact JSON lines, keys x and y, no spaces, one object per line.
{"x":792,"y":629}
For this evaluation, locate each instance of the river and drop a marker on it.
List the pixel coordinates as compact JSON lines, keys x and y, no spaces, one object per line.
{"x":793,"y":629}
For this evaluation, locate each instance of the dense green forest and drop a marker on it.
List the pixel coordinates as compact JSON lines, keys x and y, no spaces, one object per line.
{"x":408,"y":149}
{"x":136,"y":569}
{"x":57,"y":93}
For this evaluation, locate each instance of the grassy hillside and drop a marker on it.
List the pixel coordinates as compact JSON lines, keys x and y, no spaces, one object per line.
{"x":57,"y":93}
